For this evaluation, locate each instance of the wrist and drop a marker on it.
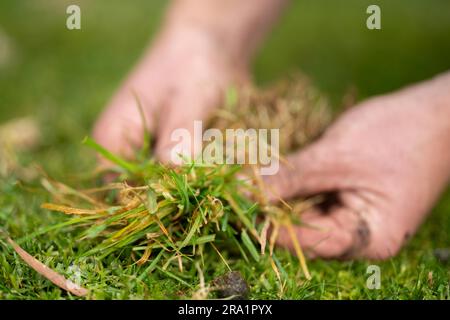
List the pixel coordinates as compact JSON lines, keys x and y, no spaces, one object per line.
{"x":236,"y":27}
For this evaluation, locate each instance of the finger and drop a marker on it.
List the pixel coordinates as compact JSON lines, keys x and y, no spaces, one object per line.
{"x":181,"y":122}
{"x":122,"y":125}
{"x":341,"y":234}
{"x":313,"y":170}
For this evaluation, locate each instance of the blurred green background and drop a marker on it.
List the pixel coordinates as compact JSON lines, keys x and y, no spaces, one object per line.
{"x":64,"y":78}
{"x":46,"y":67}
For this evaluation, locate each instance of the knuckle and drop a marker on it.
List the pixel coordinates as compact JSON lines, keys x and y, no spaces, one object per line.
{"x":386,"y":244}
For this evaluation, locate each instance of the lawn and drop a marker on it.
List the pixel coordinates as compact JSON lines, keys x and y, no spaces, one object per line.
{"x":63,"y":79}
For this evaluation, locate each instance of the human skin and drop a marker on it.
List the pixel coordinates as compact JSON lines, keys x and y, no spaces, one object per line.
{"x":387,"y":159}
{"x":204,"y":47}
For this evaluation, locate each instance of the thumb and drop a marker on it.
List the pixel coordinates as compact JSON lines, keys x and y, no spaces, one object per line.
{"x":314,"y":169}
{"x":181,"y":124}
{"x":341,"y":233}
{"x":343,"y":230}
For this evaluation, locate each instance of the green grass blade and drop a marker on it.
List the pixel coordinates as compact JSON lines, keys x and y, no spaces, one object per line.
{"x":249,"y":245}
{"x":110,"y":156}
{"x":170,"y":274}
{"x":151,"y":267}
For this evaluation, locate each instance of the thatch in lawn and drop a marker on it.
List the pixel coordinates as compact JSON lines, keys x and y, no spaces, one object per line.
{"x":171,"y":217}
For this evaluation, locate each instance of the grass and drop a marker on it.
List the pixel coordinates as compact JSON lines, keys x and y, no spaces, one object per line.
{"x":200,"y":214}
{"x":64,"y":78}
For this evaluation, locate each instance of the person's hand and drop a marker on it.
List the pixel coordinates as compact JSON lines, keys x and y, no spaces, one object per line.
{"x":203,"y":48}
{"x":385,"y":161}
{"x":180,"y":79}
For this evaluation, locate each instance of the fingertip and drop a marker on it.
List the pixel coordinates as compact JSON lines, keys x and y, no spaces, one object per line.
{"x":109,"y":138}
{"x":325,"y":236}
{"x":180,"y":140}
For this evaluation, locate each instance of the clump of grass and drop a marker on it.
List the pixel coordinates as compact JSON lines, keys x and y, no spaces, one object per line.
{"x":293,"y":105}
{"x":170,"y":218}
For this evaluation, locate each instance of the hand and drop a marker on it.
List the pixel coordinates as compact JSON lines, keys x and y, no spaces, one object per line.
{"x":204,"y":47}
{"x":386,"y":161}
{"x":180,"y":79}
